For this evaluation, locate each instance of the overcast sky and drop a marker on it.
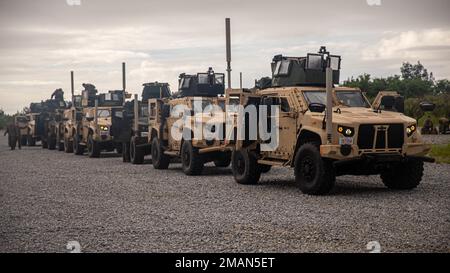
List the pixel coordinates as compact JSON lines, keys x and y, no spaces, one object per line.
{"x":42,"y":40}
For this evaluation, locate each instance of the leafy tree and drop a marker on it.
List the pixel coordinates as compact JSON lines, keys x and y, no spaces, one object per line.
{"x":442,"y":87}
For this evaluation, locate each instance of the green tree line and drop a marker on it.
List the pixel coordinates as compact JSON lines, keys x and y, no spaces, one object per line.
{"x":415,"y":83}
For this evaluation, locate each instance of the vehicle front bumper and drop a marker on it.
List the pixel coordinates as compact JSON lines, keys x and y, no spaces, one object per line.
{"x":339,"y":152}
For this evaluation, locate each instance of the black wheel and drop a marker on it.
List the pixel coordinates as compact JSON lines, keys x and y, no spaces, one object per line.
{"x":68,"y":146}
{"x":44,"y":144}
{"x":126,"y":151}
{"x":264,"y":168}
{"x":93,"y":147}
{"x":403,"y":176}
{"x":191,"y":161}
{"x":51,"y":142}
{"x":313,"y":174}
{"x":23,"y":140}
{"x":78,"y":149}
{"x":159,"y":159}
{"x":223,"y":160}
{"x":245,"y":167}
{"x":59,"y":144}
{"x":136,"y":154}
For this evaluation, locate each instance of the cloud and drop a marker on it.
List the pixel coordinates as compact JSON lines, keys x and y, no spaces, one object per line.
{"x":428,"y":44}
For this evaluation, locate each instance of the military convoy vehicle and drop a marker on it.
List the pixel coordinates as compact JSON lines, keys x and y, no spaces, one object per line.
{"x":72,"y":122}
{"x":324,"y":130}
{"x":44,"y":120}
{"x":22,"y":122}
{"x":100,"y":113}
{"x":35,"y":124}
{"x":169,"y":137}
{"x":134,"y":130}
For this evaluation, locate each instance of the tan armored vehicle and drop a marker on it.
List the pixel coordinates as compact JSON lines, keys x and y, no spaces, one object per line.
{"x":72,"y":122}
{"x":323,"y":131}
{"x":44,"y":119}
{"x":134,"y":130}
{"x":175,"y":125}
{"x":35,"y":124}
{"x":99,"y":112}
{"x":22,"y":122}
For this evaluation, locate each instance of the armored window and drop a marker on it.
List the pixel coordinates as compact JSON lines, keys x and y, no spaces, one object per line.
{"x":284,"y":105}
{"x":102,"y":113}
{"x":316,"y":97}
{"x":314,"y":61}
{"x":233,"y":104}
{"x":219,"y":79}
{"x":144,"y":111}
{"x":351,"y":99}
{"x":335,"y":62}
{"x":185,"y":83}
{"x":282,"y":68}
{"x":118,"y":114}
{"x":203,"y":78}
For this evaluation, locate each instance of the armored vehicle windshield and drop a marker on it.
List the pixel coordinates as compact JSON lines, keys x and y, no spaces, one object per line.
{"x":349,"y":98}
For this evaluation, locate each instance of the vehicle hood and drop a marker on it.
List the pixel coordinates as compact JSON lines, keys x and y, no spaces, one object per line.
{"x":356,"y":115}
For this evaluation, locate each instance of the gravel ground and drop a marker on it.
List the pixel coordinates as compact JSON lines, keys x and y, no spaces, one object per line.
{"x":49,"y":198}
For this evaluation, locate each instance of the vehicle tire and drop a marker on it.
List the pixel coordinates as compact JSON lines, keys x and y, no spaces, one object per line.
{"x":403,"y":176}
{"x":78,"y":149}
{"x":44,"y":144}
{"x":223,"y":160}
{"x":59,"y":144}
{"x":30,"y":141}
{"x":23,"y":140}
{"x":245,"y":167}
{"x":93,"y":147}
{"x":136,"y":153}
{"x":126,"y":151}
{"x":51,"y":142}
{"x":264,"y":168}
{"x":159,"y":159}
{"x":68,"y":146}
{"x":313,"y":174}
{"x":191,"y":162}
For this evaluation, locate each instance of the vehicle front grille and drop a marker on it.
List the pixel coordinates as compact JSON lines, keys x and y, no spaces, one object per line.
{"x":393,"y":134}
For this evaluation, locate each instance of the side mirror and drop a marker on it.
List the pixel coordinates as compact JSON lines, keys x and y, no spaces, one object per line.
{"x":317,"y":107}
{"x":427,"y":106}
{"x":388,"y":102}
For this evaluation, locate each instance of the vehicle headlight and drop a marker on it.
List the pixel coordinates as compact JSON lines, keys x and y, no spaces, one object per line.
{"x":346,"y":131}
{"x":410,"y":130}
{"x":103,"y":128}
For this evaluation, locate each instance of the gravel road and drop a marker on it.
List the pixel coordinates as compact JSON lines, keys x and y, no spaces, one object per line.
{"x":48,"y":198}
